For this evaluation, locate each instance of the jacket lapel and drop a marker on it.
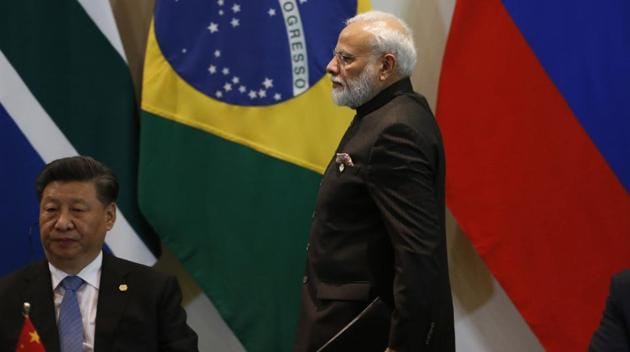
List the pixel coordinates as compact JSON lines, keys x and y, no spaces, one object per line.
{"x":112,"y":301}
{"x":39,"y":294}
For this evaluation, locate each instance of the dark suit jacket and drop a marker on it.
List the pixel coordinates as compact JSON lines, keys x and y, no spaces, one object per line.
{"x":146,"y":317}
{"x":379,"y":231}
{"x":613,"y":333}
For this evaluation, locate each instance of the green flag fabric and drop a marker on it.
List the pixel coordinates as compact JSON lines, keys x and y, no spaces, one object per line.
{"x":66,"y":89}
{"x":237,"y":125}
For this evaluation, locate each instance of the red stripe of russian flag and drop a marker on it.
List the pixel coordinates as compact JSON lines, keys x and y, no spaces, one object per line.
{"x":524,"y":180}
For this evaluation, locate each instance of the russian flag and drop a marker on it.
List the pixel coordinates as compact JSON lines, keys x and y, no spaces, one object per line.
{"x":534,"y":108}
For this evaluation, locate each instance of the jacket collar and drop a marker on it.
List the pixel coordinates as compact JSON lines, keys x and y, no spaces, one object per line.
{"x":383,"y":97}
{"x":112,"y":302}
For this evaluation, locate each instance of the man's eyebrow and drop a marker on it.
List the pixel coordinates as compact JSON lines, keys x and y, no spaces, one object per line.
{"x":56,"y":199}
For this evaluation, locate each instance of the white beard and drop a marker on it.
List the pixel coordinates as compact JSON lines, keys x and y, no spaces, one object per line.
{"x":356,"y":92}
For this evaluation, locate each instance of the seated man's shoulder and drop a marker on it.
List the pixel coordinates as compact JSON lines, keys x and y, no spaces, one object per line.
{"x":19,"y":276}
{"x":138,"y":271}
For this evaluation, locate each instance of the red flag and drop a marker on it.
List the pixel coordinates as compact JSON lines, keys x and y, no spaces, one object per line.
{"x":538,"y":198}
{"x":29,"y":339}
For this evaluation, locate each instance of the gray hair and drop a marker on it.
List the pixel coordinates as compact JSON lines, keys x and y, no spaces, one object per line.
{"x":390,"y":40}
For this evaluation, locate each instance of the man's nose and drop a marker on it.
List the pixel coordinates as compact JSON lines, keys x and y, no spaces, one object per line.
{"x":333,"y":67}
{"x":64,"y":221}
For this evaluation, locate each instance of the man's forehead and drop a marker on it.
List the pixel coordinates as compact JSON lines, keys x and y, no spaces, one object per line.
{"x":355,"y":30}
{"x":354,"y":38}
{"x":75,"y":188}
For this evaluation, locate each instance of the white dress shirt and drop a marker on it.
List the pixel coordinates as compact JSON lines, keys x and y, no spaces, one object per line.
{"x":87,"y":296}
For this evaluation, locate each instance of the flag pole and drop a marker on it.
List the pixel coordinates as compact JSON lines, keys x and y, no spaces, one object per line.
{"x":27,"y":309}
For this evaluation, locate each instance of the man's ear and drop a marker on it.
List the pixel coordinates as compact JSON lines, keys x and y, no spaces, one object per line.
{"x":110,"y":214}
{"x":388,"y":67}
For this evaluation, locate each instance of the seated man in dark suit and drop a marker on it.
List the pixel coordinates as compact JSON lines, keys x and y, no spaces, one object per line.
{"x":81,"y":298}
{"x":613,"y":333}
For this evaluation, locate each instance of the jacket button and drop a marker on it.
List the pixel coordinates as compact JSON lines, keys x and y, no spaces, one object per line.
{"x":308,"y":245}
{"x":305,"y":279}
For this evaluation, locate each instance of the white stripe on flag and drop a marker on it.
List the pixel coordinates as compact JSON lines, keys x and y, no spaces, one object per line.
{"x":50,"y":143}
{"x":100,"y":11}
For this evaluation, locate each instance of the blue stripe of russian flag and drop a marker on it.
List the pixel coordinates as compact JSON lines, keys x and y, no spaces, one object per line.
{"x":585,"y":48}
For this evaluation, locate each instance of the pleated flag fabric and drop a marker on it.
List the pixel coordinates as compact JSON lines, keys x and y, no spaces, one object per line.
{"x":237,"y":125}
{"x":533,"y":107}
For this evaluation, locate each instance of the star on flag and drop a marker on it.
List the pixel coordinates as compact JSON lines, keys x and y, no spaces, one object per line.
{"x":29,"y":340}
{"x":213,"y":27}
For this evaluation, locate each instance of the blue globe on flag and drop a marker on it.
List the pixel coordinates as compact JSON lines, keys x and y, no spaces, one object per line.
{"x":250,"y":53}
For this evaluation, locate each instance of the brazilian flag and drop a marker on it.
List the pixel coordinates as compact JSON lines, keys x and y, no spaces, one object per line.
{"x":237,"y":127}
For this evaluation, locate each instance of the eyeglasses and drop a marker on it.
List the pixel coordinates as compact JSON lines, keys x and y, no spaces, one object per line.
{"x":344,"y":59}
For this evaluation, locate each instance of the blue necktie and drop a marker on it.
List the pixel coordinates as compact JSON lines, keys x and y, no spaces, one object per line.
{"x":70,"y":324}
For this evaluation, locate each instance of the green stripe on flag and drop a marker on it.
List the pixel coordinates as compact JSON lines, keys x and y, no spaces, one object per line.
{"x":244,"y":214}
{"x":82,"y":83}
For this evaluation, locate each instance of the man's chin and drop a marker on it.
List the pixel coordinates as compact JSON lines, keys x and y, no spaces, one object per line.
{"x":339,"y":98}
{"x":342,"y":100}
{"x":64,"y":250}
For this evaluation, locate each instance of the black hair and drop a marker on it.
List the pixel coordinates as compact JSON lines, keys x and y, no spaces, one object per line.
{"x":80,"y":168}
